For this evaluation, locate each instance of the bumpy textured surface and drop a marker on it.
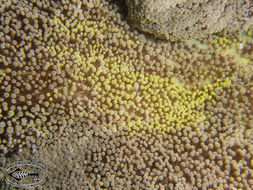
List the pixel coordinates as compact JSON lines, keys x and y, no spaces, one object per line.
{"x":102,"y":106}
{"x":189,"y":19}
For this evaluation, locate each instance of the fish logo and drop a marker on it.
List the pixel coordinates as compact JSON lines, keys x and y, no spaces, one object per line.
{"x":25,"y":174}
{"x":18,"y":174}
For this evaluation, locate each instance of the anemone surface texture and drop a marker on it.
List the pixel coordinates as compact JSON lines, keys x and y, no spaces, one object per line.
{"x":126,"y":95}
